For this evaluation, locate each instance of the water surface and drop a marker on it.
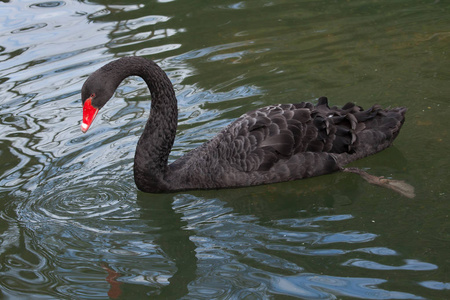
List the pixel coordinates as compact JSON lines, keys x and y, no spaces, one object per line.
{"x":73,"y":225}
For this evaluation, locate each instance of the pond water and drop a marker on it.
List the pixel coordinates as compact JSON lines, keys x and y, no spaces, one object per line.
{"x":74,"y":226}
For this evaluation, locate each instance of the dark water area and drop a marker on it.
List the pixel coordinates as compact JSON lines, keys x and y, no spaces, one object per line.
{"x":74,"y":226}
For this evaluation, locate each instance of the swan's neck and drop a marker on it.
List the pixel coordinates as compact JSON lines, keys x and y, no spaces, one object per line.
{"x":152,"y":152}
{"x":155,"y":143}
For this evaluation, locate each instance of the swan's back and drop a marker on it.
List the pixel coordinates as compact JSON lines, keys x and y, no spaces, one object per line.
{"x":287,"y":142}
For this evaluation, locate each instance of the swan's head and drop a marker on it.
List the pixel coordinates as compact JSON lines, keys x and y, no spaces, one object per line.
{"x":96,"y":91}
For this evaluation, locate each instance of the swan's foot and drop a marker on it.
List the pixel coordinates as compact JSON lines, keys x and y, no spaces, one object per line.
{"x":398,"y":186}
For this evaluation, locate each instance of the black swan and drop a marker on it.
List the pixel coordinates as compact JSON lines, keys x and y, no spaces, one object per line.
{"x":268,"y":145}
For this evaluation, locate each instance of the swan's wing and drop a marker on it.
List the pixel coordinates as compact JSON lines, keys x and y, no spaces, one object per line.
{"x":260,"y":138}
{"x":264,"y":136}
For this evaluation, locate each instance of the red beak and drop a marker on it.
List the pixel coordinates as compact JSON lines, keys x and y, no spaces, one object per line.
{"x":89,"y":113}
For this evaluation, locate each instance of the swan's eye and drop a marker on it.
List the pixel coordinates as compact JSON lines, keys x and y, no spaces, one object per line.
{"x":92,"y":96}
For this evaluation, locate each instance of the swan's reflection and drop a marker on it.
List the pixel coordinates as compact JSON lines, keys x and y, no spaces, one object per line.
{"x":174,"y":241}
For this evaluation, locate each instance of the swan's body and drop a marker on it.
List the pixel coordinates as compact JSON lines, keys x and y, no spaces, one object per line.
{"x":271,"y":144}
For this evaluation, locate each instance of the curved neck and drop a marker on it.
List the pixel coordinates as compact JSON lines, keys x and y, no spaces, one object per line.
{"x":155,"y":143}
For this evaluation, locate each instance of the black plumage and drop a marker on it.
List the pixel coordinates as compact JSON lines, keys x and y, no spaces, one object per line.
{"x":271,"y":144}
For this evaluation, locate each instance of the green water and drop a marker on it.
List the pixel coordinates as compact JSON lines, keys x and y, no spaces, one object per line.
{"x":74,"y":226}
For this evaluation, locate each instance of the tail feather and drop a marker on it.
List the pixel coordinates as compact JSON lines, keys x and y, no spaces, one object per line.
{"x":376,"y":130}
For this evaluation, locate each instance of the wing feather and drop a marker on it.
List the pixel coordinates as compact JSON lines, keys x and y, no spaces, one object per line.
{"x":259,"y":139}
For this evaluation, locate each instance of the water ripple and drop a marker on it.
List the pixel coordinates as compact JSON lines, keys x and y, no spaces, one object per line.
{"x":70,"y":207}
{"x":65,"y":200}
{"x":436,"y":285}
{"x":48,"y":4}
{"x":312,"y":286}
{"x":410,"y":264}
{"x":30,"y":28}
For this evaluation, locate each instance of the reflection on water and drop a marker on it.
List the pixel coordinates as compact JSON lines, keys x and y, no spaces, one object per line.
{"x":73,"y":225}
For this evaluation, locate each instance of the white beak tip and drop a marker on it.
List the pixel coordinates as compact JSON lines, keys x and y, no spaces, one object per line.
{"x":84,"y":127}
